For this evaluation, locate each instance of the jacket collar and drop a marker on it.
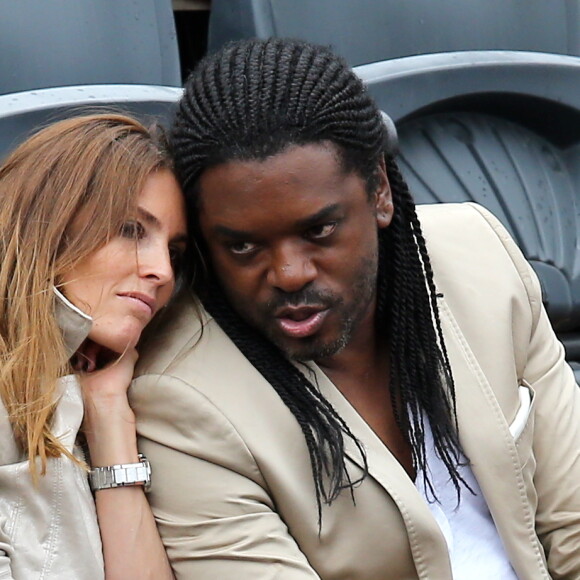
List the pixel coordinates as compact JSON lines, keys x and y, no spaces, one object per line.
{"x":73,"y":322}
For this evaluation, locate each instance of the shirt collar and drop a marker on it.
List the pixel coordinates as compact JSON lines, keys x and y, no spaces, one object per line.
{"x":73,"y":322}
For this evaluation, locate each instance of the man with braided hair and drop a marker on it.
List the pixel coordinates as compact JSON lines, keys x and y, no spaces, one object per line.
{"x":361,"y":390}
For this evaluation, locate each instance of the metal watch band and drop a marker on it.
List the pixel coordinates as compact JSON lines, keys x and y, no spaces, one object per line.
{"x":121,"y":475}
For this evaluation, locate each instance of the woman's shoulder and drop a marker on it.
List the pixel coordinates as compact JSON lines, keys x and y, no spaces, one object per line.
{"x":66,"y":422}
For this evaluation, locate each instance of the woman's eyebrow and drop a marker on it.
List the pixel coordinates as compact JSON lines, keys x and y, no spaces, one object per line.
{"x":152,"y":220}
{"x":148,"y":217}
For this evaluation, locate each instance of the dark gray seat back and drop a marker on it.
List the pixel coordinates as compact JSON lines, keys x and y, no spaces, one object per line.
{"x":366,"y":31}
{"x":50,"y":43}
{"x":23,"y":113}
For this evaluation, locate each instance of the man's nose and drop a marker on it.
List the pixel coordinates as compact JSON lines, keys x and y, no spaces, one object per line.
{"x":290,"y":269}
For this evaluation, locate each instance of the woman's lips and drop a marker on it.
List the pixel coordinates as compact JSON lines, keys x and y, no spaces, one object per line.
{"x":301,"y":328}
{"x":142,"y":302}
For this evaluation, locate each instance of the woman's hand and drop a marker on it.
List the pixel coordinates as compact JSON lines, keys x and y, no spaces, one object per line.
{"x":111,"y":381}
{"x":109,"y":422}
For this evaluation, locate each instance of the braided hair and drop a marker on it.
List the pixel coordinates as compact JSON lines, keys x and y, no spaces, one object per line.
{"x":252,"y":100}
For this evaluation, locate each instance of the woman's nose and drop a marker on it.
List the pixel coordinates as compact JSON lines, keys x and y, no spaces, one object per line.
{"x":155,"y":263}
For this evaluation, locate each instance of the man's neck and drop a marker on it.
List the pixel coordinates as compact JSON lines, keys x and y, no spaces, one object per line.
{"x":361,"y":372}
{"x":364,"y":356}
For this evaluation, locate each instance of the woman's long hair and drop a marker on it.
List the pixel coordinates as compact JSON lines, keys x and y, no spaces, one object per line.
{"x":63,"y":194}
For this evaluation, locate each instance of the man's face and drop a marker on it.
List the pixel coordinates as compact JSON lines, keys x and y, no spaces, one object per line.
{"x":293,"y":241}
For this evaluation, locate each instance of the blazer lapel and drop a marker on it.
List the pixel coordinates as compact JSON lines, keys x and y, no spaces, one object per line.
{"x":427,"y":542}
{"x":487,"y":442}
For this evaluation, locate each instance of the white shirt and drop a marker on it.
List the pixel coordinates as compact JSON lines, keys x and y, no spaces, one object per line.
{"x":476,"y":551}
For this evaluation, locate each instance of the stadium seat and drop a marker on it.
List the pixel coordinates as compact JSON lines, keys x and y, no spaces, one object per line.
{"x":22,"y":113}
{"x":76,"y":56}
{"x":365,"y":31}
{"x":82,"y":42}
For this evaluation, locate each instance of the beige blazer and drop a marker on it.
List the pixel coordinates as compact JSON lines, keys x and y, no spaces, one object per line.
{"x":233,"y":492}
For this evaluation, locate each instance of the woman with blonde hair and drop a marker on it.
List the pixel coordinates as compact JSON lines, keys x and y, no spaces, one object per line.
{"x":92,"y":227}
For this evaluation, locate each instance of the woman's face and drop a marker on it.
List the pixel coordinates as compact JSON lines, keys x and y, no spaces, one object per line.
{"x":123,"y":284}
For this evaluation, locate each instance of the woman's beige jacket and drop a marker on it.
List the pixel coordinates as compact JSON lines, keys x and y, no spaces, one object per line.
{"x":232,"y":487}
{"x":50,"y":532}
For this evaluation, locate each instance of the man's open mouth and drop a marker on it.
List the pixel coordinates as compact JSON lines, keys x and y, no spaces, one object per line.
{"x":301,"y":321}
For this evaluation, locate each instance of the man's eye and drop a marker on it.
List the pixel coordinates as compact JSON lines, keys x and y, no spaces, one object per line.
{"x":242,"y":248}
{"x":176,"y":257}
{"x":132,"y":230}
{"x":321,"y":231}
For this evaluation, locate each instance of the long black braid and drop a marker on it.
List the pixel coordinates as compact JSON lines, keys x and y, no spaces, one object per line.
{"x":253,"y":100}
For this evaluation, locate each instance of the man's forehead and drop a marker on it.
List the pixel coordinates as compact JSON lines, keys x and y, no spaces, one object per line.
{"x":295,"y":189}
{"x":297,"y":164}
{"x":251,"y":158}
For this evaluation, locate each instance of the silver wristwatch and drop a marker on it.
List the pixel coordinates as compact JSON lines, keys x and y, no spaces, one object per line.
{"x":121,"y":475}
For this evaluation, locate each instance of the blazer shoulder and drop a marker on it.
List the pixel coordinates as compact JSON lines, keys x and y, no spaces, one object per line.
{"x":191,"y":359}
{"x":176,"y":330}
{"x":468,"y":221}
{"x":189,"y":345}
{"x":465,"y":237}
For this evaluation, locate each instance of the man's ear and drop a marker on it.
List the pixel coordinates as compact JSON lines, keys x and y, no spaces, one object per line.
{"x":383,"y":197}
